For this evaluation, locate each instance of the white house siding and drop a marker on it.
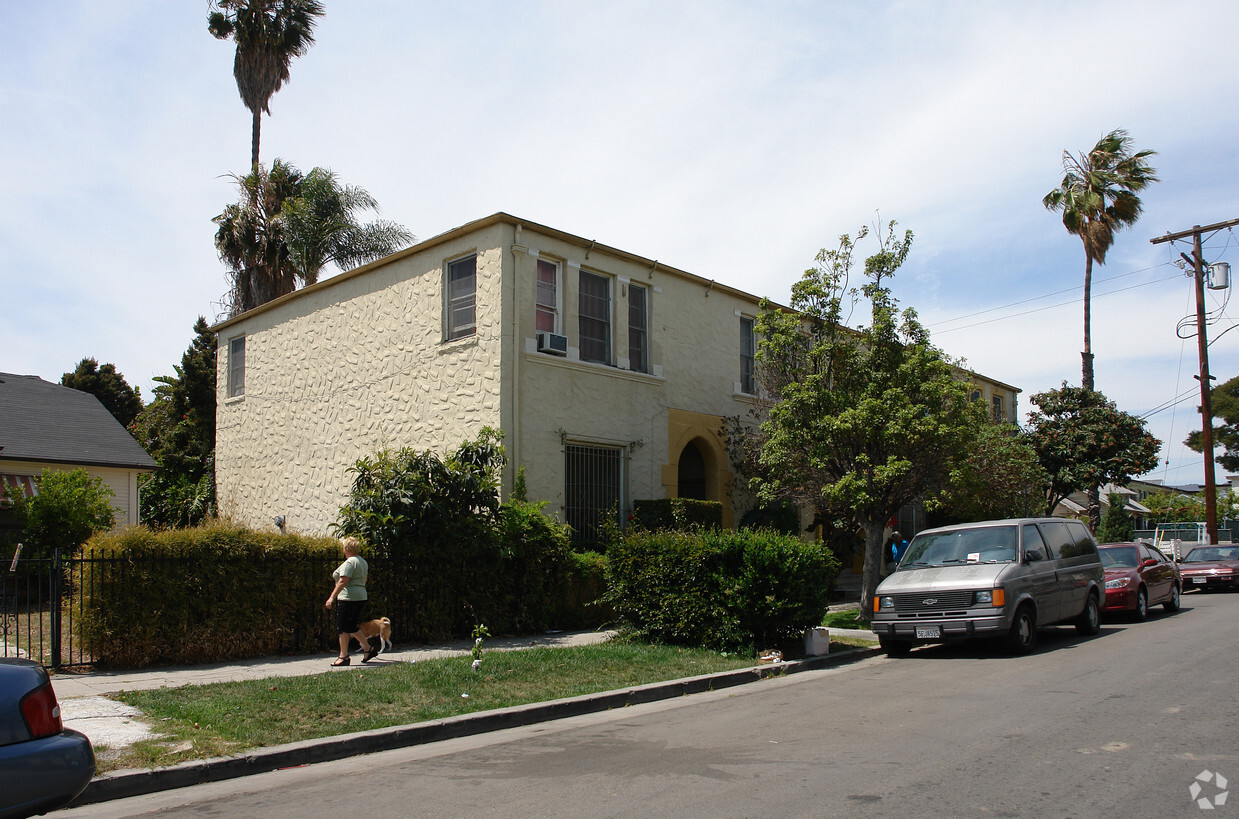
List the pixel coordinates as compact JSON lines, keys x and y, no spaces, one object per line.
{"x":345,"y":368}
{"x":123,"y":484}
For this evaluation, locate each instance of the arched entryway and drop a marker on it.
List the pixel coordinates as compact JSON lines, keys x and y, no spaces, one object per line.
{"x":692,"y":473}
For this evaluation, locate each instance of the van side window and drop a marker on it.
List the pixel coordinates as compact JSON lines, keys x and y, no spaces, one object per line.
{"x":1058,"y":540}
{"x":1032,"y":540}
{"x":1083,"y":543}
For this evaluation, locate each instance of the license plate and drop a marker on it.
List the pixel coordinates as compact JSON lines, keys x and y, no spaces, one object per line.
{"x":928,"y":632}
{"x":1198,"y":580}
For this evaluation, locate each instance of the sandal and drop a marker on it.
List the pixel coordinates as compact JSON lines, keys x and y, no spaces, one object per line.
{"x":341,"y":661}
{"x":370,"y":654}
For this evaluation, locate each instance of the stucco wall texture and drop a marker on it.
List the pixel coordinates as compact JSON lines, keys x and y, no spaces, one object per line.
{"x":359,"y":363}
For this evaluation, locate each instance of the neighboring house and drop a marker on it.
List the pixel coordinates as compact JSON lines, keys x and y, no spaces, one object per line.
{"x":1076,"y":504}
{"x":610,"y":375}
{"x":47,"y":426}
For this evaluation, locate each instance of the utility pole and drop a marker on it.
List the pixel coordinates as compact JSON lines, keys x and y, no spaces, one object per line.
{"x":1196,"y":260}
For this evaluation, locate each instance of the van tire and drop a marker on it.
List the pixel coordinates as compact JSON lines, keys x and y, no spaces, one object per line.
{"x":895,"y":648}
{"x":1089,"y":621}
{"x":1172,"y":604}
{"x":1022,"y":637}
{"x":1142,"y":604}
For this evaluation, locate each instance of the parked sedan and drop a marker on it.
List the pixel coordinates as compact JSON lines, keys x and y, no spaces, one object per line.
{"x":1211,"y":567}
{"x":43,"y":765}
{"x":1138,"y":576}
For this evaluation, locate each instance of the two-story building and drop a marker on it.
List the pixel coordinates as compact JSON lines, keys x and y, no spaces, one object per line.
{"x":609,"y":373}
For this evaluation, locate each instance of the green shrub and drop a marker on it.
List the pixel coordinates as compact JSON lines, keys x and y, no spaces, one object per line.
{"x":69,"y":507}
{"x":676,"y":513}
{"x":211,"y":593}
{"x":719,"y":589}
{"x":579,"y":600}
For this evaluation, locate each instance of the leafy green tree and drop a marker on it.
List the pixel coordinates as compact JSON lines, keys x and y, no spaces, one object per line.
{"x":178,"y":430}
{"x":288,"y":225}
{"x":862,"y":420}
{"x":1225,"y":404}
{"x":1172,"y":507}
{"x":1097,"y":198}
{"x":1116,"y":527}
{"x":109,"y":386}
{"x":1000,"y":478}
{"x":269,"y":34}
{"x":69,"y":507}
{"x":1084,"y":441}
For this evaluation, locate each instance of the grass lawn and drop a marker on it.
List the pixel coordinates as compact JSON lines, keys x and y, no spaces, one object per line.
{"x":223,"y":719}
{"x":844,"y":619}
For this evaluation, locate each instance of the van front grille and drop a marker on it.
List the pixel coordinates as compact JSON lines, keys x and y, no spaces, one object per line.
{"x":933,"y":601}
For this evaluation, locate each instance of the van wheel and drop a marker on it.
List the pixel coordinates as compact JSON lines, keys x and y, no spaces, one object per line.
{"x":1022,"y":638}
{"x":895,"y":648}
{"x":1173,"y":603}
{"x":1089,"y":621}
{"x":1142,"y":604}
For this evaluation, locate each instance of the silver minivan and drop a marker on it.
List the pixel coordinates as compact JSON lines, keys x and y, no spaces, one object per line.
{"x":997,"y":578}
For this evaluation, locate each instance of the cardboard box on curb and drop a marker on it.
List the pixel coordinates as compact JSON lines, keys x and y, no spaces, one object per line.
{"x":816,"y":641}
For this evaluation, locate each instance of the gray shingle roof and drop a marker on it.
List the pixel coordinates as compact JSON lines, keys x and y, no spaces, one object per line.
{"x":41,"y":421}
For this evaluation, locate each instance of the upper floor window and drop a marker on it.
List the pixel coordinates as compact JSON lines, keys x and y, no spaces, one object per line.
{"x":548,"y":297}
{"x":638,"y":328}
{"x":461,"y":292}
{"x":999,"y":413}
{"x":236,"y":367}
{"x":748,"y":356}
{"x":594,"y":322}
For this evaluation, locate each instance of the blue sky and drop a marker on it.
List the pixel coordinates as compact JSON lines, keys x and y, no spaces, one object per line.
{"x":729,"y":139}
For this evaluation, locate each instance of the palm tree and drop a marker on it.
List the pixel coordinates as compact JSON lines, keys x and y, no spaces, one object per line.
{"x":250,"y":239}
{"x":269,"y":34}
{"x":321,"y":227}
{"x":287,"y":226}
{"x":1097,"y":198}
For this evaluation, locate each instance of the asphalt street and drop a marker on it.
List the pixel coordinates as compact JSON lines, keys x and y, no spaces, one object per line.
{"x":1121,"y":724}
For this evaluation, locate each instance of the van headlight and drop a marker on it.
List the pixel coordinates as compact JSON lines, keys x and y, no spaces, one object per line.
{"x":991,"y":597}
{"x":885,"y":602}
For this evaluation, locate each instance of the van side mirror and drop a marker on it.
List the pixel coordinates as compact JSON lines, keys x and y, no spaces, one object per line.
{"x":1033,"y":555}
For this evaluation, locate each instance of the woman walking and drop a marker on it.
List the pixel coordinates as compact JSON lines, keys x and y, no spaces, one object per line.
{"x":348,"y":597}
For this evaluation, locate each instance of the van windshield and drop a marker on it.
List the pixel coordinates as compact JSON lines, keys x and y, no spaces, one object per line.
{"x":991,"y":544}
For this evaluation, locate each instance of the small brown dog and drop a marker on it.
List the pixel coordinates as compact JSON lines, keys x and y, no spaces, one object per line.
{"x":380,"y":628}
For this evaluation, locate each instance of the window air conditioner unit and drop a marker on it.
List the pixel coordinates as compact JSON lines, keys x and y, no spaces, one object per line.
{"x":552,"y":343}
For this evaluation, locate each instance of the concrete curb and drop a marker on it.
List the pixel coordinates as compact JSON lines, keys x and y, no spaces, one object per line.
{"x":123,"y":784}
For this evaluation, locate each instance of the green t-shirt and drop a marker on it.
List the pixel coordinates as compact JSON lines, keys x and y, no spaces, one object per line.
{"x":356,"y":570}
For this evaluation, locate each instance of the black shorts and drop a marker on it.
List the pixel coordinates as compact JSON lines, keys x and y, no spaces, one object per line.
{"x":348,"y":615}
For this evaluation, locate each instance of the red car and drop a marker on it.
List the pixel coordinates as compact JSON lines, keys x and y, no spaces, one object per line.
{"x":1211,"y":567}
{"x":1139,"y":576}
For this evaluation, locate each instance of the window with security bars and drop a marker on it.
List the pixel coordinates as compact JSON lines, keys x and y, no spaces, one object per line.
{"x":593,"y":489}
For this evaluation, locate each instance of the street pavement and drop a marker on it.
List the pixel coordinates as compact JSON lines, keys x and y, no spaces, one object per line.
{"x":86,"y":707}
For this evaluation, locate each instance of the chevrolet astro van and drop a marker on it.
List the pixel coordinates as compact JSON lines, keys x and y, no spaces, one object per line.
{"x":998,"y":578}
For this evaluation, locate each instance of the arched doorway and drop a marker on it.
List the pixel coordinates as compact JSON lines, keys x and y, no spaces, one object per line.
{"x":692,"y":473}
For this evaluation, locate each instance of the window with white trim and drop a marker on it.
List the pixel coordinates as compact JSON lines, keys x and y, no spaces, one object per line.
{"x":461,"y":294}
{"x":594,"y":318}
{"x":548,"y":297}
{"x":236,"y":367}
{"x":593,"y":489}
{"x":748,"y":356}
{"x":638,"y":328}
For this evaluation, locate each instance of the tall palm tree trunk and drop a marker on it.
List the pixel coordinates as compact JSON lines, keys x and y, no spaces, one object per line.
{"x":256,"y":135}
{"x":1086,"y":377}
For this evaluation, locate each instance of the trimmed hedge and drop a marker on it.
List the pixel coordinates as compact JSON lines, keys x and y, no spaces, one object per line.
{"x":222,"y":592}
{"x":208,"y":594}
{"x":724,"y":590}
{"x":677,"y":513}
